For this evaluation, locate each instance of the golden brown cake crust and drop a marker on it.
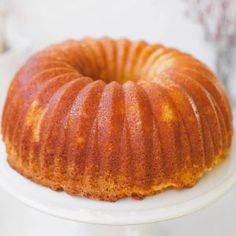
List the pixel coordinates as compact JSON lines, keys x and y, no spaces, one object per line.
{"x":108,"y":119}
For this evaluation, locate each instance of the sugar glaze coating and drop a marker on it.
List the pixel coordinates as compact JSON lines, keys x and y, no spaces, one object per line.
{"x":108,"y":119}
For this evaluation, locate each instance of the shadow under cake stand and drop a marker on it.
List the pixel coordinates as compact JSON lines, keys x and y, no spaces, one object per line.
{"x":131,"y":215}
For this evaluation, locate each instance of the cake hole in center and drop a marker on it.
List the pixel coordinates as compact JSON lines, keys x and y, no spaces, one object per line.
{"x":109,"y":73}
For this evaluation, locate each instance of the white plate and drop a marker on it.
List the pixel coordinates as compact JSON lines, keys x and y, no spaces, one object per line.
{"x":167,"y":205}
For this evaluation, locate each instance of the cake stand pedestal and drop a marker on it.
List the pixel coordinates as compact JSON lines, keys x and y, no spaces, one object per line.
{"x":125,"y":217}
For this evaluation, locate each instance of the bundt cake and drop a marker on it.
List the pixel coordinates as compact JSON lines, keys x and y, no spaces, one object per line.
{"x":108,"y":119}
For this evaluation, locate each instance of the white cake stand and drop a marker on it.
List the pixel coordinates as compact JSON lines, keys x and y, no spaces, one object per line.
{"x":129,"y":213}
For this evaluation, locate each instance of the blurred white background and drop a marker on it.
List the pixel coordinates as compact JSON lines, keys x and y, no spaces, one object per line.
{"x":46,"y":21}
{"x":41,"y":22}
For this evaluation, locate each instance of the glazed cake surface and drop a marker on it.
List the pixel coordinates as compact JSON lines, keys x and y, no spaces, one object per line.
{"x":108,"y":119}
